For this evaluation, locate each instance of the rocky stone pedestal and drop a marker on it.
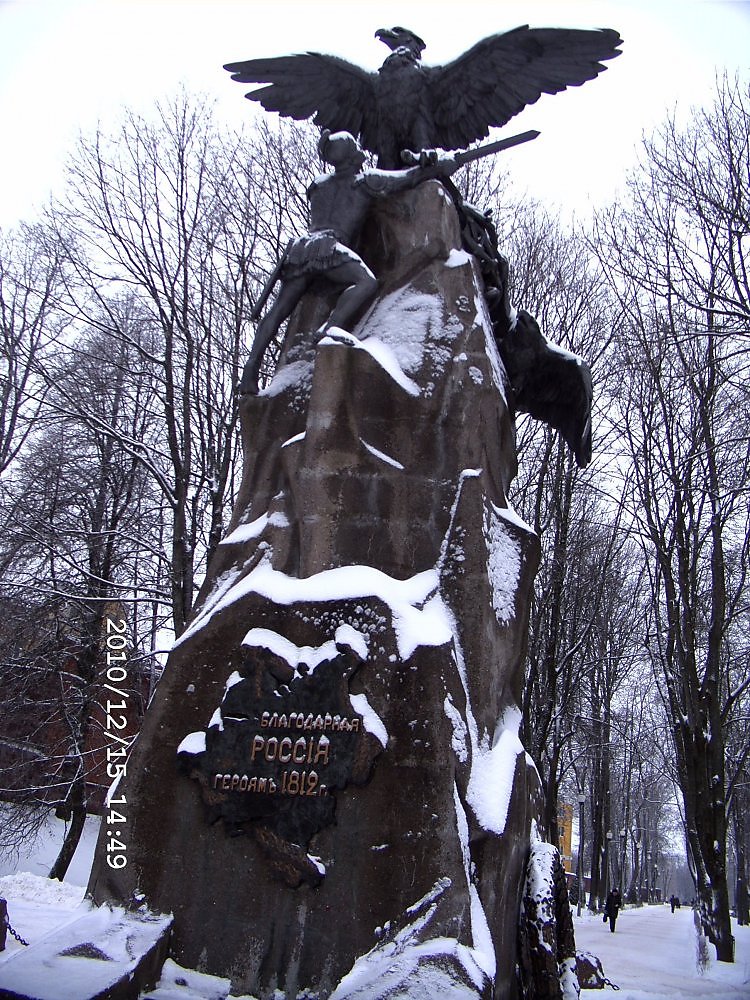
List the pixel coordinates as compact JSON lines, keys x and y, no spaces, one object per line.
{"x":329,"y":792}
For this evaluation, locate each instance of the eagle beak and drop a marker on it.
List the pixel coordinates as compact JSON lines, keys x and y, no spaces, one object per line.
{"x":385,"y":34}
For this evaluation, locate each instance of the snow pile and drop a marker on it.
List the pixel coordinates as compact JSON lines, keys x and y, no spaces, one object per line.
{"x":87,"y":954}
{"x":177,"y":983}
{"x":23,"y":887}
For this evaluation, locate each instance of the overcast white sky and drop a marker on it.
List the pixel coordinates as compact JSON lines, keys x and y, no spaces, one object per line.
{"x":66,"y":65}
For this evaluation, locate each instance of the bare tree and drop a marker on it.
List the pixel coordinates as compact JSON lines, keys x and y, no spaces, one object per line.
{"x":73,"y":515}
{"x":29,"y":276}
{"x":675,"y":255}
{"x":553,"y":278}
{"x":180,"y":216}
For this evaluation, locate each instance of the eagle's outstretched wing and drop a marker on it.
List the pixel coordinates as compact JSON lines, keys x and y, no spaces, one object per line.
{"x":499,"y":76}
{"x":549,"y":383}
{"x":335,"y":93}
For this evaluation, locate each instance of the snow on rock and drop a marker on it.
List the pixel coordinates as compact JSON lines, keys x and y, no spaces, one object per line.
{"x":372,"y":721}
{"x":492,"y":770}
{"x":459,"y":737}
{"x":425,"y":626}
{"x":308,"y":657}
{"x":196,"y":742}
{"x":347,"y":635}
{"x":318,"y":863}
{"x":568,"y":979}
{"x":509,"y":515}
{"x":449,"y":534}
{"x":216,"y":721}
{"x":382,"y":456}
{"x":193,"y":743}
{"x":539,"y":880}
{"x":246,"y":532}
{"x":503,"y":563}
{"x":459,"y":743}
{"x":297,"y":373}
{"x":419,"y":615}
{"x":403,"y":965}
{"x":493,"y":764}
{"x":457,"y":258}
{"x":482,"y":319}
{"x":294,"y":439}
{"x":483,"y":948}
{"x":388,"y":359}
{"x":406,"y":320}
{"x":214,"y":599}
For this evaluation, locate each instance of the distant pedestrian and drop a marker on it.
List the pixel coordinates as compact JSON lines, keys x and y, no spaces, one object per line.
{"x":673,"y":902}
{"x":612,"y":908}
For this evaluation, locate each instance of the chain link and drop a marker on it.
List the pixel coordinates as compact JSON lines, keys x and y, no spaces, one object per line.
{"x":14,"y":933}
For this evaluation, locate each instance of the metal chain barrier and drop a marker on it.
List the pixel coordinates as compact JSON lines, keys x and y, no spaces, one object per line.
{"x":14,"y":933}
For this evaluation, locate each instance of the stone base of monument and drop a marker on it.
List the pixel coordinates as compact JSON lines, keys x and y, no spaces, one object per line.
{"x":329,"y":792}
{"x":103,"y":954}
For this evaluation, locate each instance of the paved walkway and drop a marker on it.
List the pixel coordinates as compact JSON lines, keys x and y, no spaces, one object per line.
{"x":652,"y":954}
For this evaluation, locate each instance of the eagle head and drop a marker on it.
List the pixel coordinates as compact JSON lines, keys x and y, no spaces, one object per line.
{"x":402,"y":38}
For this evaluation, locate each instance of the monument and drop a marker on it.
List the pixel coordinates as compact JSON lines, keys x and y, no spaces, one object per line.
{"x":329,"y":793}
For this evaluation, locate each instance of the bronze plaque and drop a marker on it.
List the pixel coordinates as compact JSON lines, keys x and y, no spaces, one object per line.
{"x":281,"y":744}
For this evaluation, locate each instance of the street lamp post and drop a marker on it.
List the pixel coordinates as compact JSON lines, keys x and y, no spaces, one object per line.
{"x":623,"y":839}
{"x":648,"y":879}
{"x":656,"y":883}
{"x":581,"y":800}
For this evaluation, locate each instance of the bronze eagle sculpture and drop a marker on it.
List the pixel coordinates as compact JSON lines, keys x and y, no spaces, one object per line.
{"x":406,"y":105}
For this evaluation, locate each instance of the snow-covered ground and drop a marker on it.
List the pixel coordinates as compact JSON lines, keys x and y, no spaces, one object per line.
{"x":651,"y":955}
{"x":39,"y":857}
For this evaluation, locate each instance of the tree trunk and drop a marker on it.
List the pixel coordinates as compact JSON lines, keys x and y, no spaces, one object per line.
{"x":77,"y":802}
{"x":742,"y":904}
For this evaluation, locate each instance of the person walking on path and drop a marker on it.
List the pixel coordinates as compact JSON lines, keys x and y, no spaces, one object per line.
{"x":612,"y":908}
